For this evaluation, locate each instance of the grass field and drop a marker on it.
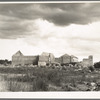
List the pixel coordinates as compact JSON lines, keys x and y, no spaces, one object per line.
{"x":48,"y":79}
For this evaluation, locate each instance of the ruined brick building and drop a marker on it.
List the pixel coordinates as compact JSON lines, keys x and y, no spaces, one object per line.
{"x":48,"y":58}
{"x":66,"y":59}
{"x":87,"y":61}
{"x":41,"y":60}
{"x":19,"y":59}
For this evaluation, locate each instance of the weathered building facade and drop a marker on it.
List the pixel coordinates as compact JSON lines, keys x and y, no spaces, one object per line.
{"x":66,"y":59}
{"x":20,"y":59}
{"x":46,"y":58}
{"x":74,"y":59}
{"x":87,"y":61}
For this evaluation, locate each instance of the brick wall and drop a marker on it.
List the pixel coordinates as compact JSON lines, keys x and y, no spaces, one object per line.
{"x":22,"y":60}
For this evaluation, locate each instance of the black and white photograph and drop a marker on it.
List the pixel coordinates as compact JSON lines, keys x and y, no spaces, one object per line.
{"x":50,"y":47}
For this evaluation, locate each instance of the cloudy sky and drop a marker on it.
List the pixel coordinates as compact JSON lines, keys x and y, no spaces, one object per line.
{"x":59,"y":28}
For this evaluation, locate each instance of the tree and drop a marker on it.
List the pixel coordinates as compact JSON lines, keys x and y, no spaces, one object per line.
{"x":5,"y":61}
{"x":97,"y":65}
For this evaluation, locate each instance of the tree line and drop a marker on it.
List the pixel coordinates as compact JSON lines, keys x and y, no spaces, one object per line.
{"x":5,"y":62}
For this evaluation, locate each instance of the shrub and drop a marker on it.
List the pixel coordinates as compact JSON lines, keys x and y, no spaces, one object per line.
{"x":54,"y":77}
{"x":91,"y":68}
{"x":40,"y":85}
{"x":97,"y":65}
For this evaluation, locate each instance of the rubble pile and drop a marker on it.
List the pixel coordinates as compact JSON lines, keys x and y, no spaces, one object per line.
{"x":82,"y":87}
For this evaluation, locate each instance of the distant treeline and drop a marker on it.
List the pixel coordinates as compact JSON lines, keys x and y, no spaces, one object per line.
{"x":5,"y":61}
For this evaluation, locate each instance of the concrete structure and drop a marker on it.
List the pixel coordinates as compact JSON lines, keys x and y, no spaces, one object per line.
{"x":66,"y":59}
{"x":74,"y":59}
{"x":58,"y":60}
{"x":87,"y":61}
{"x":19,"y":59}
{"x":46,"y":58}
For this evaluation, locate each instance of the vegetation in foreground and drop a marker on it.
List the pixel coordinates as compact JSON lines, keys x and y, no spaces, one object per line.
{"x":50,"y":79}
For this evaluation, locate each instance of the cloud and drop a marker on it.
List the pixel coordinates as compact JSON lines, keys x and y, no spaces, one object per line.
{"x":73,"y":13}
{"x":57,"y":13}
{"x":19,"y":20}
{"x":12,"y":29}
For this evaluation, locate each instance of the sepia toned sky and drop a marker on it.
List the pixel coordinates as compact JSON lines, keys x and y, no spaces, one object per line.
{"x":59,"y":28}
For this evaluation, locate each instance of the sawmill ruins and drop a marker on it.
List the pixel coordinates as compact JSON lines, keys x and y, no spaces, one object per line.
{"x":48,"y":58}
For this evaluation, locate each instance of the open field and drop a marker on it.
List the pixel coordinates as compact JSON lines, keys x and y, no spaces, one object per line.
{"x":49,"y":79}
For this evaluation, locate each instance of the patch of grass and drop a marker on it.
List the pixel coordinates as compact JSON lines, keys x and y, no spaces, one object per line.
{"x":38,"y":78}
{"x":40,"y":85}
{"x":16,"y":86}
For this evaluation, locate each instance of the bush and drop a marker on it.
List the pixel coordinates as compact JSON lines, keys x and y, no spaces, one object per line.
{"x":51,"y":75}
{"x":91,"y":68}
{"x":97,"y":65}
{"x":40,"y":85}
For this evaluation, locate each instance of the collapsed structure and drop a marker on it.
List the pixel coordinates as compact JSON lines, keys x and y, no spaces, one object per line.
{"x":48,"y":58}
{"x":87,"y":61}
{"x":19,"y":59}
{"x":41,"y":60}
{"x":66,"y":59}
